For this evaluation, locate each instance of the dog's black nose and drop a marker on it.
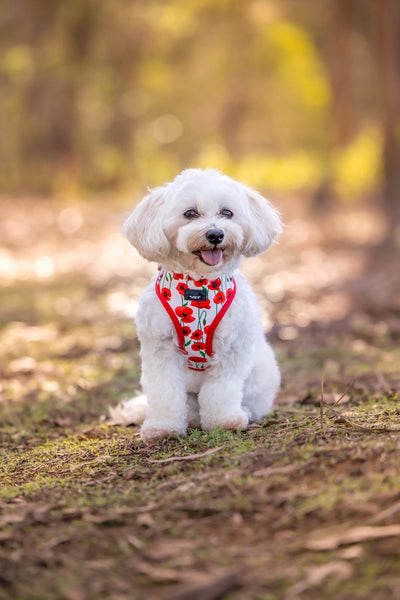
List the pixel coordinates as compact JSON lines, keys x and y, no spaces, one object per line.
{"x":215,"y":236}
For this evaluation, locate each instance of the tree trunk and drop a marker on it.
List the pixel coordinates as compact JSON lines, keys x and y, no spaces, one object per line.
{"x":341,"y":63}
{"x":387,"y":23}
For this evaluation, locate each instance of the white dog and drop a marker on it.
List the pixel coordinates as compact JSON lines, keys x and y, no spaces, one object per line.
{"x":205,"y":359}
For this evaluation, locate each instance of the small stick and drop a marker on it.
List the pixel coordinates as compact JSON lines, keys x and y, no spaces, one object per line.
{"x":345,"y":391}
{"x":189,"y":457}
{"x":321,"y":400}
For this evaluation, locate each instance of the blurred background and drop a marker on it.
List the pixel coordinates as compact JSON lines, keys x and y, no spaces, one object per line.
{"x":99,"y":100}
{"x":288,"y":95}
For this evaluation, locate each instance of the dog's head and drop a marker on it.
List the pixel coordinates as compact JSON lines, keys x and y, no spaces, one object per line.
{"x":201,"y":223}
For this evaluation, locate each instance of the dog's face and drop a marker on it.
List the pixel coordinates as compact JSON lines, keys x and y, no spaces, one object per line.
{"x":201,"y":223}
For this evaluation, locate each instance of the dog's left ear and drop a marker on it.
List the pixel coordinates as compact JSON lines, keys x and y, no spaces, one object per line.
{"x":144,"y":226}
{"x":264,"y":223}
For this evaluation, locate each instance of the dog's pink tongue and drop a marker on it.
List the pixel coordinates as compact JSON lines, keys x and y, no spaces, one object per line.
{"x":211,"y":257}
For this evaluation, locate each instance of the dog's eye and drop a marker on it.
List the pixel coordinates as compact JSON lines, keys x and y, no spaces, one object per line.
{"x":225,"y":212}
{"x":191,"y":214}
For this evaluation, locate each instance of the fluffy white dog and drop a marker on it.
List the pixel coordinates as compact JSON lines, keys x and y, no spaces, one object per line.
{"x":205,"y":359}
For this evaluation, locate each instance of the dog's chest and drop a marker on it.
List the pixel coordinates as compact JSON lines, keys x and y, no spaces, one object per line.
{"x":196,"y":309}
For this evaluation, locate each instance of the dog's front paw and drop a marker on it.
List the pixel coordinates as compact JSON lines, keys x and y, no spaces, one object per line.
{"x":234,"y":423}
{"x":229,"y":422}
{"x":152,"y":431}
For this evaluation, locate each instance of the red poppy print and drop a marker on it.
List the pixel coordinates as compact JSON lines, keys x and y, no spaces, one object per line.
{"x":219,"y":298}
{"x":215,"y":284}
{"x":198,"y":346}
{"x":197,"y":334}
{"x":201,"y":303}
{"x":181,"y":287}
{"x":185,"y":314}
{"x":196,"y":321}
{"x":166,"y":293}
{"x":200,"y":282}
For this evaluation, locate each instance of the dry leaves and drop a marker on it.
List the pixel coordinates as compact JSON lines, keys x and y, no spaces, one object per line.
{"x":210,"y":588}
{"x":276,"y":470}
{"x":384,"y":514}
{"x":339,"y":569}
{"x":25,"y":512}
{"x":193,"y":585}
{"x":352,"y":536}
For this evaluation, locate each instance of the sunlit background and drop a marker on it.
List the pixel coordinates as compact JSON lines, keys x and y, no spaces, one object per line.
{"x":99,"y":100}
{"x":99,"y":95}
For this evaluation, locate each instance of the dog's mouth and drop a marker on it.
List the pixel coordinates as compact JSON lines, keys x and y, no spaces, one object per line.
{"x":210,"y":257}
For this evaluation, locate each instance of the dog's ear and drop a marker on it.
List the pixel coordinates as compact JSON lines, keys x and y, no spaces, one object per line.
{"x":264,"y":223}
{"x":144,"y":226}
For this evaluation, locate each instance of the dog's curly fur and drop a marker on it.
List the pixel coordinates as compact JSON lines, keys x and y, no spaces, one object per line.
{"x":243,"y":378}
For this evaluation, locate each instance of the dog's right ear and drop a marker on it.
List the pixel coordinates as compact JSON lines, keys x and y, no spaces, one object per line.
{"x":144,"y":226}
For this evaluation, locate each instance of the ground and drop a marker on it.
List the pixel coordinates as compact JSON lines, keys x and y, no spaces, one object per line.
{"x":305,"y":506}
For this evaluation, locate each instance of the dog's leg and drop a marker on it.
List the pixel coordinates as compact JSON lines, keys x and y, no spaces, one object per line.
{"x":262,"y":385}
{"x":220,"y":400}
{"x":163,"y":381}
{"x":193,"y":410}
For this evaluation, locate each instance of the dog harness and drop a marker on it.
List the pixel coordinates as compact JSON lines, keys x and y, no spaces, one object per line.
{"x":196,"y":307}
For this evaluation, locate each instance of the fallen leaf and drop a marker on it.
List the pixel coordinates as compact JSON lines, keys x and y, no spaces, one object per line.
{"x":24,"y":364}
{"x":54,"y":542}
{"x":211,"y":588}
{"x":134,"y":541}
{"x":275,"y":470}
{"x":112,"y":516}
{"x":101,"y":564}
{"x":167,"y":549}
{"x":384,"y":514}
{"x":25,"y":511}
{"x":351,"y":552}
{"x":340,"y":569}
{"x":353,"y":536}
{"x":146,"y":520}
{"x":15,"y":517}
{"x":78,"y":593}
{"x":159,"y":574}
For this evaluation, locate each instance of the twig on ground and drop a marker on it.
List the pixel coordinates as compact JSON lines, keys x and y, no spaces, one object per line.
{"x":321,"y":400}
{"x":345,"y":392}
{"x":384,"y":514}
{"x":188,"y":457}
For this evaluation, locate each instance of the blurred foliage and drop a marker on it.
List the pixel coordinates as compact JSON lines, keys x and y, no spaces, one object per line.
{"x":104,"y":95}
{"x":357,"y":166}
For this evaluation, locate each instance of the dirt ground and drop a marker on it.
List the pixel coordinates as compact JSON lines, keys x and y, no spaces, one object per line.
{"x":306,"y":506}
